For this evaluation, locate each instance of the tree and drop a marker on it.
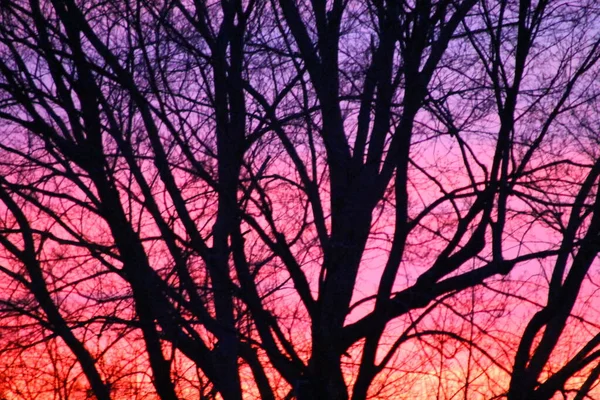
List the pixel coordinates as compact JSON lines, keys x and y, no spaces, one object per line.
{"x":312,"y":199}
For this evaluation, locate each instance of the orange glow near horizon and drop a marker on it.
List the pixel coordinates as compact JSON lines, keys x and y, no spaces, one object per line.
{"x":430,"y":365}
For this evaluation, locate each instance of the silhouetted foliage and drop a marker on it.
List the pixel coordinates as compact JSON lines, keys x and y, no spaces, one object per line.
{"x":299,"y":199}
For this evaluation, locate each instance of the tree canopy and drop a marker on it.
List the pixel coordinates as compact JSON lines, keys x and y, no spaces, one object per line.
{"x":304,"y":199}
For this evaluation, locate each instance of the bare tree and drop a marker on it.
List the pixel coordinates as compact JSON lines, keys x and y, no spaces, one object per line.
{"x":301,"y":199}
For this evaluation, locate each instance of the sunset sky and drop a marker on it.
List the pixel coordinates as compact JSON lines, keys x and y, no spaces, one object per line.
{"x":299,"y":199}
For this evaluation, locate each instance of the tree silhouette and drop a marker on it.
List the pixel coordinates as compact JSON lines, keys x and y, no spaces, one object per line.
{"x":299,"y":199}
